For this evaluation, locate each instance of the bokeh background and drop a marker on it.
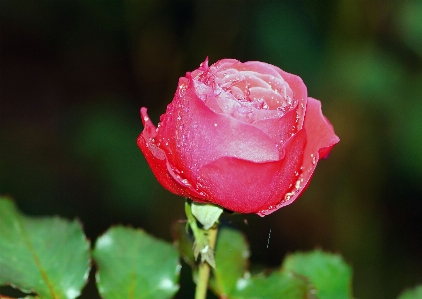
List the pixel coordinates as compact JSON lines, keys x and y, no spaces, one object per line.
{"x":73,"y":75}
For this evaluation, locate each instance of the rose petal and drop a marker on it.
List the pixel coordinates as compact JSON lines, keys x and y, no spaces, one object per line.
{"x":273,"y":99}
{"x":223,"y":64}
{"x":295,"y":83}
{"x":259,"y":67}
{"x":321,"y":136}
{"x":248,"y":187}
{"x":320,"y":140}
{"x":193,"y":135}
{"x":279,"y":129}
{"x":156,"y":157}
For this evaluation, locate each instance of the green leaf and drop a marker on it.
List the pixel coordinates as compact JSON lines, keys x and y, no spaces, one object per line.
{"x":327,"y":272}
{"x":132,"y":264}
{"x":48,"y":256}
{"x":231,"y":258}
{"x":278,"y":285}
{"x":415,"y":293}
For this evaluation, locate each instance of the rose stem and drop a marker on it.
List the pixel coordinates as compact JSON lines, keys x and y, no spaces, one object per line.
{"x":204,"y":267}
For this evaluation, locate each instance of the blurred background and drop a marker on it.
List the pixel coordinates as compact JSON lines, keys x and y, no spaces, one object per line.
{"x":74,"y":74}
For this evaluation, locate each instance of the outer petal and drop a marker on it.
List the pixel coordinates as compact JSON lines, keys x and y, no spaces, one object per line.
{"x":320,"y":140}
{"x":192,"y":135}
{"x":321,"y":136}
{"x":157,"y":159}
{"x":247,"y":187}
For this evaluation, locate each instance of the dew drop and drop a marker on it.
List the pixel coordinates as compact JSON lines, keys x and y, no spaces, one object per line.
{"x":242,"y":283}
{"x":72,"y":293}
{"x":242,"y":110}
{"x":166,"y":284}
{"x":313,"y":159}
{"x":288,"y":195}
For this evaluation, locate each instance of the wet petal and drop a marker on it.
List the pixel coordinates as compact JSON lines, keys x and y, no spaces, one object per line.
{"x":280,"y":128}
{"x":320,"y":140}
{"x":259,"y":67}
{"x":193,"y":135}
{"x":155,"y":156}
{"x":248,"y":187}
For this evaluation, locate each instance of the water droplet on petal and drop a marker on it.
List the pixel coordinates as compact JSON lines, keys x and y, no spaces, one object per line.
{"x":288,"y":195}
{"x":313,"y":159}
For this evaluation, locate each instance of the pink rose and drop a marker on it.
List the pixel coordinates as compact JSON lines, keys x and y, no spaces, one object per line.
{"x":244,"y":136}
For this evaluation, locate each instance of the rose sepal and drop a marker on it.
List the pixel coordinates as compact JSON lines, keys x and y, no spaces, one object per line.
{"x":202,"y":245}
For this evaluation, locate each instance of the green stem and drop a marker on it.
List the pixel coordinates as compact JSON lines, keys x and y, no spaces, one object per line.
{"x":204,"y":267}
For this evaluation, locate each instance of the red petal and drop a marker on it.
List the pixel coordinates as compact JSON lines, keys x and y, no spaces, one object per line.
{"x":279,"y":129}
{"x":320,"y":140}
{"x":195,"y":136}
{"x":259,"y":67}
{"x":156,"y":157}
{"x":321,"y":136}
{"x":247,"y":187}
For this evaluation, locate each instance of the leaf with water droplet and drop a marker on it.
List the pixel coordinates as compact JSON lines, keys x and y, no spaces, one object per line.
{"x":48,"y":256}
{"x":280,"y":284}
{"x":132,"y":264}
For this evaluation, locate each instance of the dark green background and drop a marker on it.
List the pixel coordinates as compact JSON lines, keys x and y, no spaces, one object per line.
{"x":73,"y":75}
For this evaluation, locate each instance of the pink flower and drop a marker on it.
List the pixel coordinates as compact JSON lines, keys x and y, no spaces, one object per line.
{"x":244,"y":136}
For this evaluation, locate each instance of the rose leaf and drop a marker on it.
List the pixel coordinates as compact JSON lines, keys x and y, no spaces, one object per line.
{"x":231,"y":258}
{"x":48,"y":256}
{"x":280,"y":284}
{"x":330,"y":275}
{"x":132,"y":264}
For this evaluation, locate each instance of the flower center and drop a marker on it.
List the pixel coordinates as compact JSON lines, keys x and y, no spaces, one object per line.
{"x":246,"y":95}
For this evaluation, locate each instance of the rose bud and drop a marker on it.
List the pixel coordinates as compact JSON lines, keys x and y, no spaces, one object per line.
{"x":243,"y":136}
